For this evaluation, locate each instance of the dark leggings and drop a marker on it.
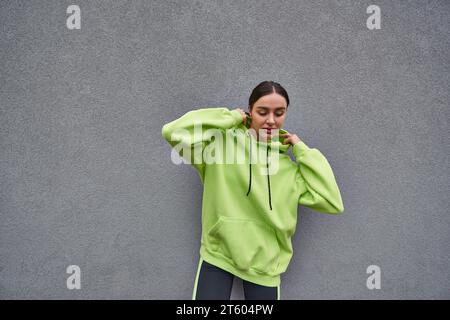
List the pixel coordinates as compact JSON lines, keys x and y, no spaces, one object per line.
{"x":213,"y":283}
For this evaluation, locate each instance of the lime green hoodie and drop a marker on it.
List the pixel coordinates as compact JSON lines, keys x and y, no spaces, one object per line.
{"x":249,"y":216}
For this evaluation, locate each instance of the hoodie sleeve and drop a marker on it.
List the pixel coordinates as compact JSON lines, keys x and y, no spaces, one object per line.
{"x":315,"y":178}
{"x":187,"y":131}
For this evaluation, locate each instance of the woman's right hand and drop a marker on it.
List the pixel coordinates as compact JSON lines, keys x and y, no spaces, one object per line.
{"x":244,"y":115}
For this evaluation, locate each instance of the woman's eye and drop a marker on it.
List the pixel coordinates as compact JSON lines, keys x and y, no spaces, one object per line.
{"x":278,"y":114}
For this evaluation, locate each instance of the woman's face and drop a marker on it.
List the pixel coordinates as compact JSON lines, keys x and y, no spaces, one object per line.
{"x":268,"y":112}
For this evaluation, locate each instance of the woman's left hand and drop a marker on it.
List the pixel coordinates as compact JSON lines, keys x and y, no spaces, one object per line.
{"x":290,"y":138}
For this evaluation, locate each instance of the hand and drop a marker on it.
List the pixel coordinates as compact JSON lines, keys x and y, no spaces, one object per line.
{"x":290,"y":138}
{"x":244,"y":115}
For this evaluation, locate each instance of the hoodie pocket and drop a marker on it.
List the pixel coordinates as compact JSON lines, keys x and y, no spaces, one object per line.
{"x":249,"y":244}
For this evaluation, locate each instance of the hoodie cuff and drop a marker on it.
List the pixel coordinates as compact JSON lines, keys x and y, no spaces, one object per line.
{"x":237,"y":116}
{"x":299,"y":149}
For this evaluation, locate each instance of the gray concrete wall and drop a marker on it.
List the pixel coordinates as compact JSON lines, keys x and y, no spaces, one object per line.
{"x":86,"y":178}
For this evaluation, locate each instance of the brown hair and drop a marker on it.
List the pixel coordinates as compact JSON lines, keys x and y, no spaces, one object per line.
{"x":265,"y":88}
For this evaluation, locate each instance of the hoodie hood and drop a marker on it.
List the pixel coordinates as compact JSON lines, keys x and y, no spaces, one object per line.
{"x":276,"y":142}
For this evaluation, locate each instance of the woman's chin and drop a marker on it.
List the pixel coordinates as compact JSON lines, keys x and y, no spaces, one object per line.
{"x":265,"y":136}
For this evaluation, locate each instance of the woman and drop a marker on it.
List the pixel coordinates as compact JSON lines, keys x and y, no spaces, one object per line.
{"x":249,"y":209}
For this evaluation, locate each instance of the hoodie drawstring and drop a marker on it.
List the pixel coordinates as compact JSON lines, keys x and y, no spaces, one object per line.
{"x":268,"y":176}
{"x":250,"y":168}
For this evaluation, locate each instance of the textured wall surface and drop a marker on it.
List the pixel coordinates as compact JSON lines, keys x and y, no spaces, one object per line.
{"x":86,"y":177}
